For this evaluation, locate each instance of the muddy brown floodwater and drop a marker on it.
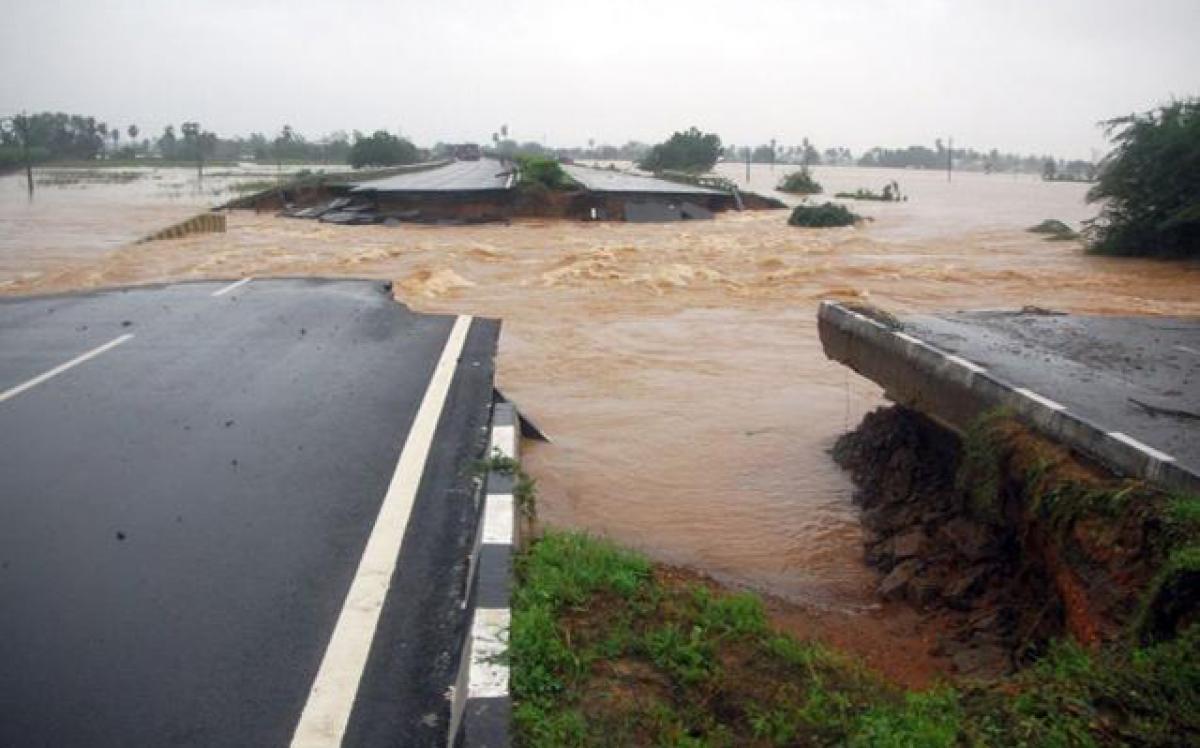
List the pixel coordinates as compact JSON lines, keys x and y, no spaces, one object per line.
{"x":677,"y":366}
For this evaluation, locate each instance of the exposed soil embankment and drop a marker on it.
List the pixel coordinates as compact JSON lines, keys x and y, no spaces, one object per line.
{"x":1013,"y":539}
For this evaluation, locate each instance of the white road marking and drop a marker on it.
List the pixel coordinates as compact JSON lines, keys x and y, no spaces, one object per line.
{"x":1146,"y":449}
{"x":327,"y":711}
{"x":7,"y":394}
{"x":498,"y":519}
{"x":232,"y":286}
{"x":966,"y":364}
{"x":1187,"y":349}
{"x":1051,"y":404}
{"x":489,"y":641}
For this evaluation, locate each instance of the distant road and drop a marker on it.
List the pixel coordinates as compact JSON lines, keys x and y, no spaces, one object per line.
{"x":457,"y":176}
{"x":189,"y":478}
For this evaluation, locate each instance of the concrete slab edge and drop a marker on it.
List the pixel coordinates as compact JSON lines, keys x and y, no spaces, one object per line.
{"x":954,"y":391}
{"x":481,"y":706}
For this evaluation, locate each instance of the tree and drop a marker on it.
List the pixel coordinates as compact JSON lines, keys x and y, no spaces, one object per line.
{"x":197,"y":144}
{"x":1149,"y":185}
{"x":690,"y":150}
{"x":132,"y":132}
{"x":381,"y":149}
{"x":168,"y":143}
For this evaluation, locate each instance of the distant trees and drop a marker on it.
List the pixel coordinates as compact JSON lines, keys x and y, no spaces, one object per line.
{"x":382,"y":149}
{"x":690,"y":150}
{"x":1150,"y":185}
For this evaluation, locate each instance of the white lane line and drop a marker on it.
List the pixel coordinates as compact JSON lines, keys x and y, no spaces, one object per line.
{"x":972,"y":366}
{"x":1187,"y":349}
{"x":1051,"y":404}
{"x":489,"y":641}
{"x":63,"y":367}
{"x":327,"y":711}
{"x":1144,"y":448}
{"x":232,"y":286}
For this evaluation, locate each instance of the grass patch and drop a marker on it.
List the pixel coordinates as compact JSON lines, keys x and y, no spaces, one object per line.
{"x":822,"y":216}
{"x":608,"y":649}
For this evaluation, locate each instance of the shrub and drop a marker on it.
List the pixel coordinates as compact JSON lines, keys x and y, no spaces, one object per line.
{"x":800,"y":183}
{"x":539,"y":173}
{"x":822,"y":216}
{"x":381,"y":149}
{"x":690,"y":151}
{"x":1150,"y":185}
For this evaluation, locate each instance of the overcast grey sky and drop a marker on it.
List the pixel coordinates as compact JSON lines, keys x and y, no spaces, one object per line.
{"x":1024,"y":75}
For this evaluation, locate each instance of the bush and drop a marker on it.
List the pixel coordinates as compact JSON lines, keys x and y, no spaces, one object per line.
{"x":539,"y":173}
{"x":1150,"y":185}
{"x":382,"y":149}
{"x":823,"y":216}
{"x":690,"y":151}
{"x":1054,"y":229}
{"x":800,"y":183}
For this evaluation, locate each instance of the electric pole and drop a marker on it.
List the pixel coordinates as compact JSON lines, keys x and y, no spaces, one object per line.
{"x":950,"y":160}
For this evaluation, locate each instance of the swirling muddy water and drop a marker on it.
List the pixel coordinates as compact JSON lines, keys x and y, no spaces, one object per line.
{"x":676,"y":366}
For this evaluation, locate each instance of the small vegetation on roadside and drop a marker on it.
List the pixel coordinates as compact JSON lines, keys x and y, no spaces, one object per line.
{"x":823,"y":216}
{"x":540,"y":174}
{"x":1055,"y":230}
{"x":608,"y":649}
{"x":890,"y":194}
{"x":800,"y":183}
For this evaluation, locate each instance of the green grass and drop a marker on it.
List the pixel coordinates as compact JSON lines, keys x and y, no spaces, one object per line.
{"x":607,"y":649}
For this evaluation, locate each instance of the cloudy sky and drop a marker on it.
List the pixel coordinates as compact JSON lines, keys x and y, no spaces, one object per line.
{"x":1024,"y":75}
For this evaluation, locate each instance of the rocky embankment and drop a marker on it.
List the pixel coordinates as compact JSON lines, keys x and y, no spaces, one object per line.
{"x":1010,"y":539}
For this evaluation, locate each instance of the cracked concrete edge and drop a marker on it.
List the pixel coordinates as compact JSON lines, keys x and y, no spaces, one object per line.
{"x":955,"y":391}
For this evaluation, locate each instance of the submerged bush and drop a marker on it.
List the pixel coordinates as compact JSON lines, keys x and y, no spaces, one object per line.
{"x":823,"y":216}
{"x":690,"y":151}
{"x":800,"y":183}
{"x":1054,"y":229}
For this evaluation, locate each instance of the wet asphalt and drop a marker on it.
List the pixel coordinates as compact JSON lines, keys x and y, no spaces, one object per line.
{"x":182,"y":513}
{"x":1136,"y":375}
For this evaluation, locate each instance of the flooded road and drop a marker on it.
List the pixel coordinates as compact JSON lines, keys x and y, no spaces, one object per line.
{"x":677,"y":366}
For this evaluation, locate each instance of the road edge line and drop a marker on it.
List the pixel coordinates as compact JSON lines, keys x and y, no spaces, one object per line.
{"x":331,"y":698}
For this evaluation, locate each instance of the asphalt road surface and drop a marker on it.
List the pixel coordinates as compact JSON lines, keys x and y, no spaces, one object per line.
{"x":1138,"y":375}
{"x":457,"y":176}
{"x":190,"y":478}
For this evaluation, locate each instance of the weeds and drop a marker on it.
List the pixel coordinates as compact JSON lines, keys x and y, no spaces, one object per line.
{"x":607,"y":650}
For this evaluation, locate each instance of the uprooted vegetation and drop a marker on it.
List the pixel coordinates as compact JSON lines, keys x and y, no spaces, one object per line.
{"x":827,"y":215}
{"x":890,"y":194}
{"x":608,"y":649}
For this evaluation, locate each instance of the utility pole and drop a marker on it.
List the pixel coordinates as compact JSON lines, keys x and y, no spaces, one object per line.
{"x":747,"y":151}
{"x":950,"y":160}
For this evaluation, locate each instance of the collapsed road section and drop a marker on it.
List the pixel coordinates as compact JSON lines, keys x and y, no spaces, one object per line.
{"x":488,"y":190}
{"x":236,"y":514}
{"x":1124,"y":391}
